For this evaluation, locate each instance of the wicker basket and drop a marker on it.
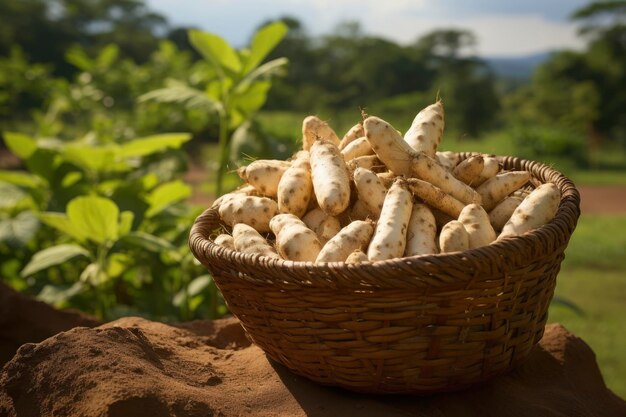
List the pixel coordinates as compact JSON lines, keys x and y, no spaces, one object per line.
{"x":412,"y":325}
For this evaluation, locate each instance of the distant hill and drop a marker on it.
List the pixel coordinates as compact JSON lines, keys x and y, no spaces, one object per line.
{"x":519,"y":67}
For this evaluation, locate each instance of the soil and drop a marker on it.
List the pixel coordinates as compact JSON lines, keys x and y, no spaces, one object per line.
{"x":133,"y":367}
{"x":23,"y":320}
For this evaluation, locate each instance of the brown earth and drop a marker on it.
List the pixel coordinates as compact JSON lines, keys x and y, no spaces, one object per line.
{"x":134,"y":367}
{"x":23,"y":320}
{"x":602,"y":199}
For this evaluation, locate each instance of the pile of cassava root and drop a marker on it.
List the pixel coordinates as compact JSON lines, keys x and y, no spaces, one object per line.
{"x":376,"y":195}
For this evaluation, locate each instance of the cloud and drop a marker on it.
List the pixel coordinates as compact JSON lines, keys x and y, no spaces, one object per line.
{"x":502,"y":27}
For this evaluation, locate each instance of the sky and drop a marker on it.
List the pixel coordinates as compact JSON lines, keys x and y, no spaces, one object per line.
{"x":504,"y":28}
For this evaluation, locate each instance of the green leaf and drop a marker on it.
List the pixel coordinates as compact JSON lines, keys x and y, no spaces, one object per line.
{"x":264,"y":40}
{"x":58,"y":294}
{"x":266,"y":70}
{"x":252,"y":99}
{"x":165,"y":195}
{"x":93,"y":274}
{"x":126,"y":222}
{"x":19,"y":144}
{"x":194,"y":288}
{"x":19,"y":230}
{"x":95,"y":218}
{"x":117,"y":264}
{"x":147,"y":241}
{"x":107,"y":56}
{"x":152,"y":144}
{"x":177,"y":92}
{"x":77,"y":57}
{"x":54,"y":255}
{"x":60,"y":222}
{"x":215,"y":50}
{"x":10,"y":195}
{"x":95,"y":158}
{"x":71,"y":178}
{"x":20,"y":178}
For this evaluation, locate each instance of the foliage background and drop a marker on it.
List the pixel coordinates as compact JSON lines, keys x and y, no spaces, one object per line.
{"x":107,"y":111}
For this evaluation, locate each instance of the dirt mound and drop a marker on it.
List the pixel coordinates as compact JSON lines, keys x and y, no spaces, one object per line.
{"x":134,"y":367}
{"x":24,"y":320}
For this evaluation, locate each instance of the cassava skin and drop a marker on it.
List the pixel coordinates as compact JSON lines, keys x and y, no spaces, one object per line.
{"x":356,"y":148}
{"x":426,"y":130}
{"x":497,"y":188}
{"x":354,"y":236}
{"x":248,"y":240}
{"x":294,"y":241}
{"x":448,"y":160}
{"x":356,"y":257}
{"x":251,"y":210}
{"x":324,"y":226}
{"x":225,"y":241}
{"x":264,"y":175}
{"x":421,"y":236}
{"x":476,"y":222}
{"x":435,"y":197}
{"x":389,"y":239}
{"x":370,"y":189}
{"x":491,"y":167}
{"x":388,"y":144}
{"x":453,"y":237}
{"x":296,"y":186}
{"x":314,"y":129}
{"x":536,"y":210}
{"x":468,"y":170}
{"x":331,"y":180}
{"x":503,"y":211}
{"x":354,"y":133}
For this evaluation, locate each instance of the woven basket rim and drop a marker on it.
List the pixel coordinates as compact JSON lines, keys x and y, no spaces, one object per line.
{"x":531,"y":245}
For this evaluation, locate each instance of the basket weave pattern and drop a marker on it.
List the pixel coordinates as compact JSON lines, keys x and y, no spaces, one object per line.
{"x":413,"y":325}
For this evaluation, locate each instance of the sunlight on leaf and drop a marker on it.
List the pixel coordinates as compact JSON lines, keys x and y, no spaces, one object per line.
{"x":95,"y":218}
{"x":264,"y":40}
{"x":54,"y":255}
{"x":19,"y":144}
{"x":215,"y":50}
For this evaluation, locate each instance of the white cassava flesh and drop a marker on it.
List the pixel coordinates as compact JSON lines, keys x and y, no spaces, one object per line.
{"x":426,"y":130}
{"x":356,"y":148}
{"x":354,"y":133}
{"x":536,"y":210}
{"x":503,"y":211}
{"x":449,"y":160}
{"x":251,"y":210}
{"x":476,"y":222}
{"x":453,"y":237}
{"x":314,"y":129}
{"x":331,"y":181}
{"x":421,"y":236}
{"x":294,"y":241}
{"x":435,"y":197}
{"x":225,"y":241}
{"x":468,"y":170}
{"x":370,"y":190}
{"x":389,"y":239}
{"x":296,"y":186}
{"x":354,"y":236}
{"x":248,"y":240}
{"x":497,"y":188}
{"x":324,"y":226}
{"x":356,"y":257}
{"x":491,"y":167}
{"x":264,"y":175}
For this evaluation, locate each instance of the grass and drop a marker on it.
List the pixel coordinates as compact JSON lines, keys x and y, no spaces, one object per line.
{"x":601,"y":295}
{"x":593,"y":278}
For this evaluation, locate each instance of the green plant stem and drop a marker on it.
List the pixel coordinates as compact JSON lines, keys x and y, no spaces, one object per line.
{"x":223,"y":153}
